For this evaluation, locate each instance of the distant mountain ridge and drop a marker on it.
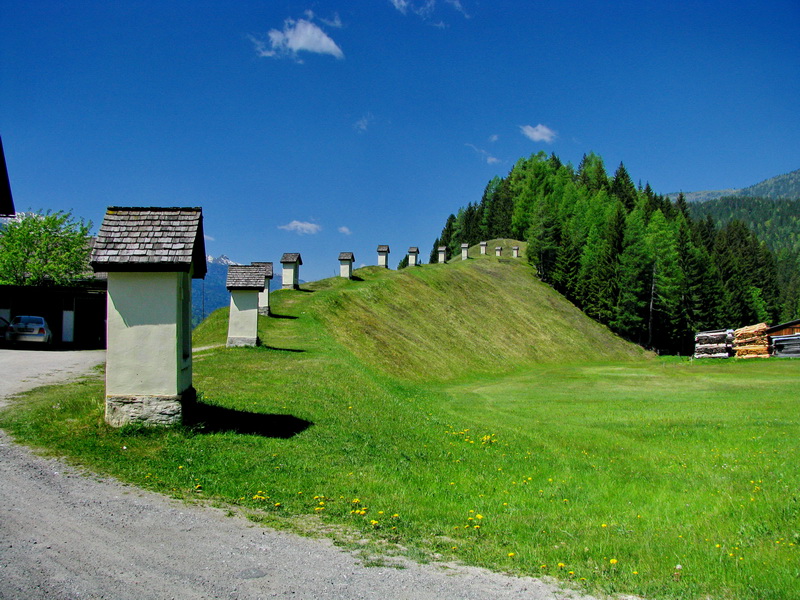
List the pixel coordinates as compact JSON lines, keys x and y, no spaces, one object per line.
{"x":211,"y":293}
{"x":780,"y":187}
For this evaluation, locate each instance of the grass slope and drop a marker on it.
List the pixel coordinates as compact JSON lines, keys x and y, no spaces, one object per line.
{"x":442,"y":321}
{"x":605,"y":473}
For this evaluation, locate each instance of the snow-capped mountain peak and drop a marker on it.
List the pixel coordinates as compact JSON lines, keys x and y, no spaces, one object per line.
{"x":220,"y":260}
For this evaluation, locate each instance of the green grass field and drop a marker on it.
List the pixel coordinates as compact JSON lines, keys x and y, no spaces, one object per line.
{"x":401,"y":409}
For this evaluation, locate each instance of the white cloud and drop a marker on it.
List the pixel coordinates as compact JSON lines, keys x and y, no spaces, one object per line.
{"x":425,"y":8}
{"x":540,"y":133}
{"x":208,"y":238}
{"x":364,"y":122}
{"x":493,"y":138}
{"x":297,"y":36}
{"x":401,"y":5}
{"x":345,"y":230}
{"x":301,"y":227}
{"x":490,"y":160}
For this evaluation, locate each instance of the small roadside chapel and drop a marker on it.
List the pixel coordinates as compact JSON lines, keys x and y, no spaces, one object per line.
{"x":413,"y":256}
{"x":151,"y":255}
{"x":383,"y":256}
{"x":263,"y":297}
{"x":291,"y":262}
{"x":244,"y":282}
{"x":346,"y":260}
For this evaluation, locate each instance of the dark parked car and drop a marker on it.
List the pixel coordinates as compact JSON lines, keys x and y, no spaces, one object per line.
{"x":29,"y":329}
{"x":3,"y":328}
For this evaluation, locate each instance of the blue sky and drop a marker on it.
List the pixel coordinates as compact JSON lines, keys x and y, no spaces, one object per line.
{"x":327,"y":126}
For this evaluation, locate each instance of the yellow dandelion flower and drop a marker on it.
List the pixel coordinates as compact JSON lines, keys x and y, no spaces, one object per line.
{"x":511,"y":554}
{"x":613,"y":561}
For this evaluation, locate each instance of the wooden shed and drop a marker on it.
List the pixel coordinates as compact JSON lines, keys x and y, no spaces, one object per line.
{"x":790,"y":328}
{"x":150,"y":255}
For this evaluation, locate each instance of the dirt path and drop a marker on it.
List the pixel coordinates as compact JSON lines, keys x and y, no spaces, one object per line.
{"x":69,"y":535}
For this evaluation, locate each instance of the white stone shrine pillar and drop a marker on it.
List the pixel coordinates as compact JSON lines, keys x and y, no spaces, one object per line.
{"x":464,"y":251}
{"x":244,"y":283}
{"x":483,"y":248}
{"x":346,"y":260}
{"x":515,"y":251}
{"x":383,"y":256}
{"x":151,"y":256}
{"x":291,"y":262}
{"x":413,"y":256}
{"x":263,"y":297}
{"x":442,"y":254}
{"x":498,"y":251}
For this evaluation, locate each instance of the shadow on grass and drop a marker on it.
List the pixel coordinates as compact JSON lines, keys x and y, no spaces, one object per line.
{"x":282,"y":349}
{"x":277,"y":316}
{"x":207,"y":418}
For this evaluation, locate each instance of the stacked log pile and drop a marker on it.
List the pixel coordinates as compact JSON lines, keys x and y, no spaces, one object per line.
{"x":713,"y":344}
{"x":751,"y":341}
{"x":786,"y":345}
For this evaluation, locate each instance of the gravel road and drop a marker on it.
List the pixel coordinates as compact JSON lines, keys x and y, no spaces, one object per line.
{"x":66,"y":534}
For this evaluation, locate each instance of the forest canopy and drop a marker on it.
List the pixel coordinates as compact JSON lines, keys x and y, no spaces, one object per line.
{"x":628,"y":257}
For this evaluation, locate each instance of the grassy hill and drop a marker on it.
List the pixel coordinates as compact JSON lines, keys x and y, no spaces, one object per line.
{"x":466,"y":412}
{"x":442,"y":321}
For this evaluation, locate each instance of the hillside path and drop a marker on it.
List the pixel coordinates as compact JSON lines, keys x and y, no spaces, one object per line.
{"x":66,"y":534}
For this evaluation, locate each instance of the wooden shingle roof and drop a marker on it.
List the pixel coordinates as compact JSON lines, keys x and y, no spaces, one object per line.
{"x":151,"y":239}
{"x":383,"y":248}
{"x":413,"y":250}
{"x":245,"y":277}
{"x":291,"y":257}
{"x":267,"y":268}
{"x":346,"y":256}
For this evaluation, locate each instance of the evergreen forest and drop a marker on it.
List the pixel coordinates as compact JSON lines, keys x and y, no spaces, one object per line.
{"x":632,"y":259}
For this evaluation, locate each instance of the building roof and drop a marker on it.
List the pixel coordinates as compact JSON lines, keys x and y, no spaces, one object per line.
{"x":267,"y":268}
{"x":245,"y":277}
{"x":291,"y":257}
{"x":442,"y":248}
{"x":6,"y":200}
{"x":346,"y":256}
{"x":413,"y":250}
{"x":383,"y":248}
{"x":774,"y":328}
{"x":484,"y":243}
{"x":151,"y":239}
{"x":465,"y":245}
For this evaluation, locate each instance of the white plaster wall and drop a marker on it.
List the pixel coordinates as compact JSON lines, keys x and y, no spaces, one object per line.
{"x":345,"y":269}
{"x":442,"y":257}
{"x":412,"y":260}
{"x":464,"y":254}
{"x":383,"y":259}
{"x":263,"y":297}
{"x":145,"y":334}
{"x":243,"y":320}
{"x":483,"y":248}
{"x":291,"y":275}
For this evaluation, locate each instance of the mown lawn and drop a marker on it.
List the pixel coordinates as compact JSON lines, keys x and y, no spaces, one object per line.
{"x":607,"y":475}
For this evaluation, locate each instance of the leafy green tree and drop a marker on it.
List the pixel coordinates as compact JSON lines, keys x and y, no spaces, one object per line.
{"x":44,"y":248}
